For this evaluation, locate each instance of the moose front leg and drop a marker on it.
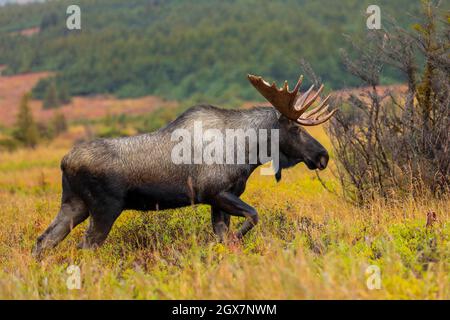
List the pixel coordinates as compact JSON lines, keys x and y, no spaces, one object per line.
{"x":234,"y":206}
{"x":220,"y":222}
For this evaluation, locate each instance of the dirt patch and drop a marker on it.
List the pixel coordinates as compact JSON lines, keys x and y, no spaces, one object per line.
{"x":101,"y":106}
{"x":12,"y":88}
{"x":381,"y":90}
{"x":27,"y":32}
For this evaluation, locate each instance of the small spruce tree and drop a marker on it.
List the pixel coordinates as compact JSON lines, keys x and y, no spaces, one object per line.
{"x":64,"y":96}
{"x":59,"y":123}
{"x":51,"y":97}
{"x":26,"y":131}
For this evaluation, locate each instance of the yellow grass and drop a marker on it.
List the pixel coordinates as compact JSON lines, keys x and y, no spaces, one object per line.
{"x":310,"y":244}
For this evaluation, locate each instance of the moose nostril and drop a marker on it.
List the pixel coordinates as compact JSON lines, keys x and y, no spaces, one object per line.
{"x":323,"y":161}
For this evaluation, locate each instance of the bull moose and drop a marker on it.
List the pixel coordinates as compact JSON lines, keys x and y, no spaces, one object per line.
{"x":103,"y":177}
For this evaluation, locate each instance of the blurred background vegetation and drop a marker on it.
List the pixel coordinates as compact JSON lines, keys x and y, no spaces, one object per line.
{"x":198,"y":50}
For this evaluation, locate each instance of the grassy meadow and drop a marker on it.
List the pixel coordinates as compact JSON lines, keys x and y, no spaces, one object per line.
{"x":310,"y":243}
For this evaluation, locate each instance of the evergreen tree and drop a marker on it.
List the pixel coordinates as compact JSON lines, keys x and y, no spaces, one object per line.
{"x":51,"y":97}
{"x":64,"y":95}
{"x":26,"y":131}
{"x":59,"y":123}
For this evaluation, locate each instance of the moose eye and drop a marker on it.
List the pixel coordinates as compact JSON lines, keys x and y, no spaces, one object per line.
{"x":295,"y":129}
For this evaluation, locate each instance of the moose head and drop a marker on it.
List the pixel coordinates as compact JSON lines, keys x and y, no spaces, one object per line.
{"x":296,"y":144}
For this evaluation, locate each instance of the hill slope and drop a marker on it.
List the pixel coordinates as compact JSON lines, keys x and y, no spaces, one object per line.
{"x":185,"y":49}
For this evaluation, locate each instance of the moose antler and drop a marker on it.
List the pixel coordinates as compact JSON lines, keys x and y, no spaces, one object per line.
{"x":292,"y":104}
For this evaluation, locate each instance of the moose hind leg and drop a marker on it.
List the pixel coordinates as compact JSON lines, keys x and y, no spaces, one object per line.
{"x":73,"y":211}
{"x":100,"y":224}
{"x":234,"y":206}
{"x":220,"y":223}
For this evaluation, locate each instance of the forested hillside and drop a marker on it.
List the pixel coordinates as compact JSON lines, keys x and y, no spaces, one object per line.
{"x":185,"y":49}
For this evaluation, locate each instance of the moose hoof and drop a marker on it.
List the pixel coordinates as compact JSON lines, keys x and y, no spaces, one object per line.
{"x":36,"y":253}
{"x":234,"y":240}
